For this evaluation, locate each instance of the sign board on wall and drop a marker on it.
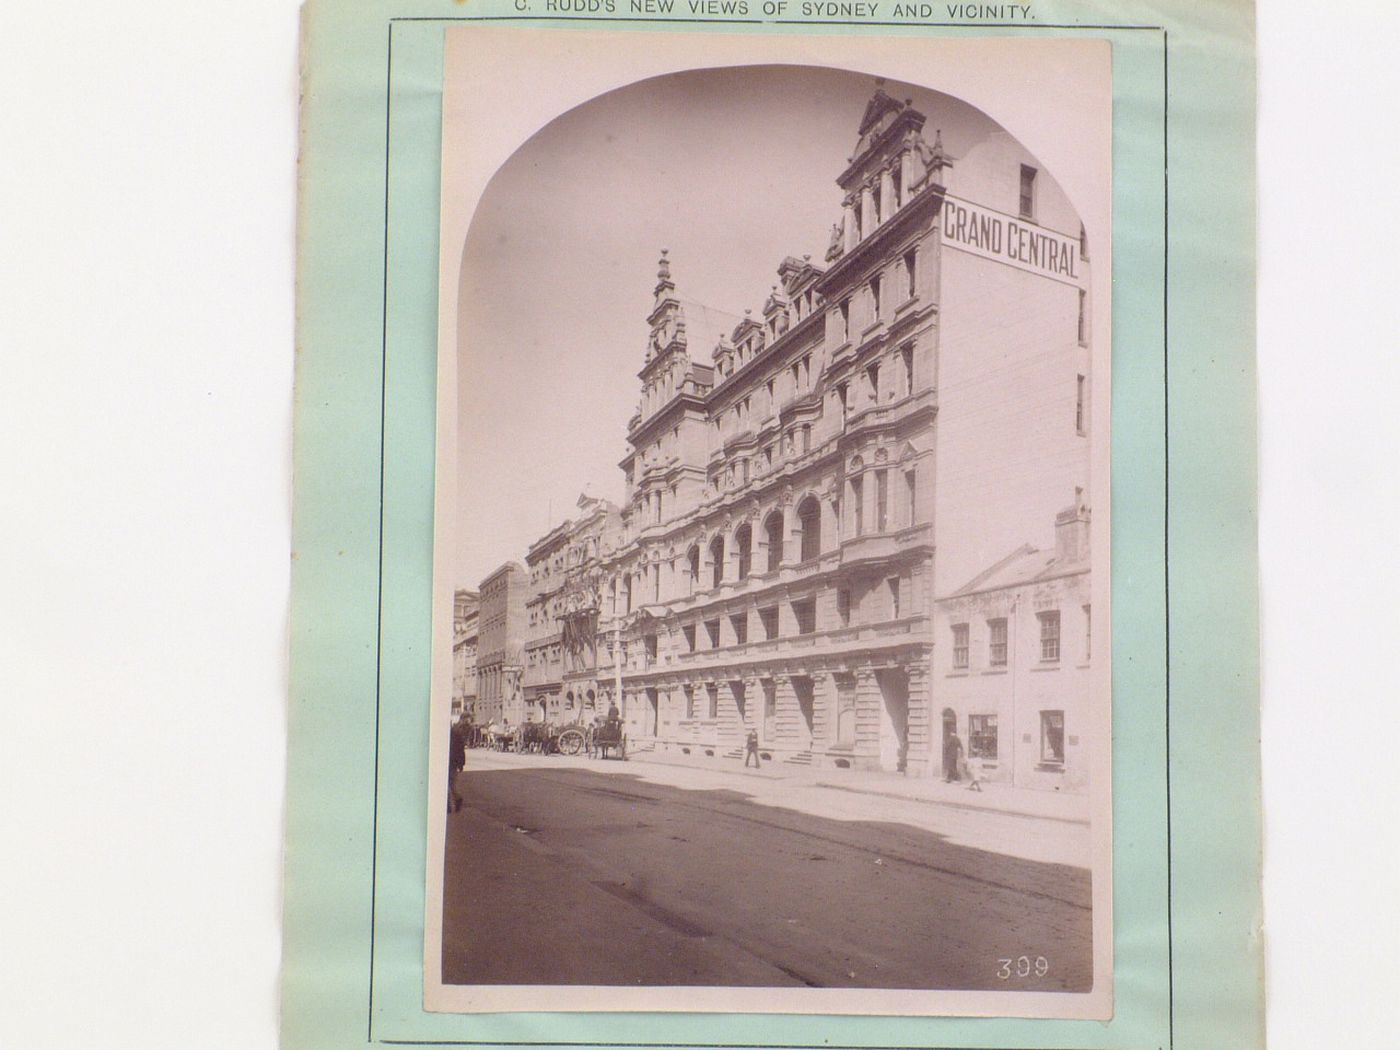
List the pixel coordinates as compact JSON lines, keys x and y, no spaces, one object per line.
{"x":1012,"y":240}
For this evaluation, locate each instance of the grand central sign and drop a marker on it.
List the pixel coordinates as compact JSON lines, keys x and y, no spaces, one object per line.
{"x":1008,"y":239}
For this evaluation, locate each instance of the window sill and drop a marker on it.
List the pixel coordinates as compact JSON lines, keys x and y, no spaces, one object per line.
{"x":995,"y":670}
{"x":1050,"y":767}
{"x":1048,"y":666}
{"x":961,"y":672}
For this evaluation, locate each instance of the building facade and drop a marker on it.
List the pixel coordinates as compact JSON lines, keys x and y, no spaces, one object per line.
{"x":501,"y":648}
{"x":845,"y":523}
{"x":465,"y":610}
{"x":561,"y":655}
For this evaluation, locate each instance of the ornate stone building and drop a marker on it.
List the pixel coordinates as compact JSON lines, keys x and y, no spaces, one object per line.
{"x":815,"y":495}
{"x":561,"y":650}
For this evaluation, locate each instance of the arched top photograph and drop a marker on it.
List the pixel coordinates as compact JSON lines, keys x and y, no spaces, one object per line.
{"x":818,"y":341}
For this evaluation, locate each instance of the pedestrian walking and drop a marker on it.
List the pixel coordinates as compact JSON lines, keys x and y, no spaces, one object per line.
{"x":456,"y":762}
{"x":751,"y":749}
{"x":974,"y":774}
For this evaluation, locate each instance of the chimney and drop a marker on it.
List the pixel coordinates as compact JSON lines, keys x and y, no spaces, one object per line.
{"x":1072,"y":530}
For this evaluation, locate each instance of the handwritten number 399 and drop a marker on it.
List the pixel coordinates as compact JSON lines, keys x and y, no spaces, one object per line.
{"x":1022,"y":966}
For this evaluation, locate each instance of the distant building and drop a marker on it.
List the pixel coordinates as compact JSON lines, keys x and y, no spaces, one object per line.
{"x":561,"y":650}
{"x":501,"y":651}
{"x":465,"y":610}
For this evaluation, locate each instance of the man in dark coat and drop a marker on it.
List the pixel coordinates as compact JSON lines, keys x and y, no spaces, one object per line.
{"x":952,"y":753}
{"x":751,"y":749}
{"x":456,"y":762}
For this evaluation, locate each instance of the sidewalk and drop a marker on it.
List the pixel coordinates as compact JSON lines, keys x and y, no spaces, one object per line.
{"x":994,"y":797}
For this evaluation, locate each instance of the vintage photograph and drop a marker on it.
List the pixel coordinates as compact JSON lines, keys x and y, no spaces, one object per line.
{"x":774,"y":574}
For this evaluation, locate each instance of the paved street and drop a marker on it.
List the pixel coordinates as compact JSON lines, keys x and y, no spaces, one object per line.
{"x":570,"y":871}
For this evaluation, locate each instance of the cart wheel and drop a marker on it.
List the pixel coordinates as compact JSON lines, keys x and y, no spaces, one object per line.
{"x":570,"y":742}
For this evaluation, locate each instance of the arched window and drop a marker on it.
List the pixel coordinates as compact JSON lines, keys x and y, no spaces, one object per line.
{"x":773,"y":530}
{"x":809,"y":520}
{"x":693,"y":558}
{"x":743,"y":542}
{"x":717,"y":560}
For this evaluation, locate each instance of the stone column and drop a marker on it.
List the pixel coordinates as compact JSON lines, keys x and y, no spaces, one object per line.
{"x":869,"y":715}
{"x":906,"y":174}
{"x":753,"y":704}
{"x":886,"y":195}
{"x":849,"y":222}
{"x":920,"y":759}
{"x":792,"y":543}
{"x":823,"y":710}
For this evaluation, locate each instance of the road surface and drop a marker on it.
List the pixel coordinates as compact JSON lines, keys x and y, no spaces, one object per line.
{"x":556,"y":872}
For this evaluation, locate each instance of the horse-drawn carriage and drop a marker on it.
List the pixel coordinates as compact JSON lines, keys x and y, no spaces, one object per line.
{"x":609,"y":736}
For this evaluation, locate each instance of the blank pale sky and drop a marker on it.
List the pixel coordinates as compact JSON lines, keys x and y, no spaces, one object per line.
{"x":731,"y":169}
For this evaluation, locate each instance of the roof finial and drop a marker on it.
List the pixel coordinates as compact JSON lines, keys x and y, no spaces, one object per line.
{"x":663,"y":266}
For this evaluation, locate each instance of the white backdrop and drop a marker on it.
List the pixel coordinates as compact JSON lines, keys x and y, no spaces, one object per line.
{"x":145,"y":327}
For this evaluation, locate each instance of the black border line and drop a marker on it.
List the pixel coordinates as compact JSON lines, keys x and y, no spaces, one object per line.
{"x":379,"y":616}
{"x":383,"y":416}
{"x":1166,"y":521}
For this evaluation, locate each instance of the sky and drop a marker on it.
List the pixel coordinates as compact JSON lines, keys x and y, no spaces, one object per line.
{"x":730,"y":169}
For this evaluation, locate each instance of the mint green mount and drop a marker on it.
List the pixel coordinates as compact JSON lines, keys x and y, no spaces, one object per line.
{"x":364,"y":444}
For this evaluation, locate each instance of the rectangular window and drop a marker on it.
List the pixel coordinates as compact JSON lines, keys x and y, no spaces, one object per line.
{"x":769,"y":618}
{"x":1027,"y":192}
{"x":1052,"y":737}
{"x":689,"y":691}
{"x":689,"y":631}
{"x":882,"y":501}
{"x":960,"y":646}
{"x":907,"y":356}
{"x":1083,"y":318}
{"x":740,"y":623}
{"x":843,"y":607}
{"x":806,"y":371}
{"x":981,"y":736}
{"x":874,"y":298}
{"x":650,"y":641}
{"x":910,"y":261}
{"x":845,"y":319}
{"x":911,"y":506}
{"x":1088,"y":633}
{"x":805,"y":613}
{"x":712,"y":632}
{"x":841,"y":396}
{"x":1049,"y":636}
{"x":873,"y":375}
{"x":996,"y":644}
{"x":712,"y":691}
{"x":893,"y":584}
{"x":796,"y":377}
{"x":857,"y":506}
{"x":806,"y":437}
{"x":1079,"y":405}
